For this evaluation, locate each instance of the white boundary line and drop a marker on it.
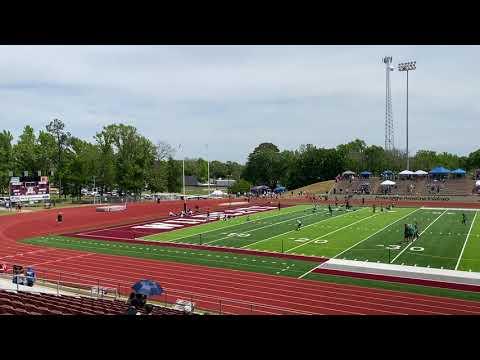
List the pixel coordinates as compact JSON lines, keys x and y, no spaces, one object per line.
{"x":315,"y":223}
{"x":263,"y":227}
{"x":466,"y":240}
{"x":375,"y":233}
{"x":407,"y":246}
{"x":309,"y":271}
{"x":443,"y":208}
{"x":331,"y":232}
{"x":225,"y":227}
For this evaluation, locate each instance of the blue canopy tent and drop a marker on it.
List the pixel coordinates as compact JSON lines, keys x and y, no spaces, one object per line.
{"x":279,"y":189}
{"x":439,"y":171}
{"x":260,"y":189}
{"x":365,"y":174}
{"x":458,"y":172}
{"x":387,"y":174}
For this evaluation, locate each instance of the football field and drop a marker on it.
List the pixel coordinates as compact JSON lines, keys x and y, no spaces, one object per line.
{"x":360,"y":234}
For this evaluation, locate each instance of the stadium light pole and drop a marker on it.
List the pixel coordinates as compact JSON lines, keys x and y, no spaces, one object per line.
{"x":407,"y":66}
{"x":183,"y":169}
{"x":208,"y":171}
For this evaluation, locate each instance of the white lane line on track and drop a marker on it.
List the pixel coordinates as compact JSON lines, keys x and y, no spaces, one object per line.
{"x":304,"y":227}
{"x":358,"y":290}
{"x":408,"y":245}
{"x":62,"y":259}
{"x":466,"y":240}
{"x":334,"y":299}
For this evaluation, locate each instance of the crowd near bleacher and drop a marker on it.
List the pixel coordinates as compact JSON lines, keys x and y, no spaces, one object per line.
{"x":438,"y":181}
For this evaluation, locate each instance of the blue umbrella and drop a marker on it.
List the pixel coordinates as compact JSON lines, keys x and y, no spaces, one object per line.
{"x":147,"y":287}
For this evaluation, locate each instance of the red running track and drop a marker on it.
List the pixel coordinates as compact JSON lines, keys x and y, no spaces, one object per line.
{"x":232,"y":292}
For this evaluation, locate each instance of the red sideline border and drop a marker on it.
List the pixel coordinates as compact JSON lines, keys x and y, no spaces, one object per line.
{"x":397,"y":279}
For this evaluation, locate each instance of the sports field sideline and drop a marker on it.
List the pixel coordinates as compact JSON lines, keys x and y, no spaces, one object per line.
{"x":359,"y":234}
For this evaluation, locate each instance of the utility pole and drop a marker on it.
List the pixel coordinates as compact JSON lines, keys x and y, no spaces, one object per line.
{"x":94,"y":191}
{"x":208,"y":171}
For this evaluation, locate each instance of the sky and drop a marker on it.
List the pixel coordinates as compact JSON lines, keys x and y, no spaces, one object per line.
{"x":236,"y":97}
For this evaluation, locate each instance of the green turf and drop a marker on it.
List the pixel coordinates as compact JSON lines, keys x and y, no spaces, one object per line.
{"x":419,"y":289}
{"x":210,"y":230}
{"x":262,"y":264}
{"x":359,"y":234}
{"x":378,"y":246}
{"x":471,"y":256}
{"x":332,"y":239}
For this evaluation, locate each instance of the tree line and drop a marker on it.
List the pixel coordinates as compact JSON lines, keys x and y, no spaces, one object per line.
{"x":119,"y":157}
{"x":267,"y":165}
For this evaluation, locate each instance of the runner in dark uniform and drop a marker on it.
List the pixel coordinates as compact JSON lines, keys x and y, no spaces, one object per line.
{"x":299,"y":224}
{"x":464,"y":219}
{"x":330,"y":209}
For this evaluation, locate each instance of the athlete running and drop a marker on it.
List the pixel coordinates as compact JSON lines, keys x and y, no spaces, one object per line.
{"x":299,"y":224}
{"x":464,"y":219}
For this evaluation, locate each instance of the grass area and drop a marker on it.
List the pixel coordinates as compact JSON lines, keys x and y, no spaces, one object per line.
{"x":261,"y":264}
{"x":357,"y":235}
{"x":470,"y":258}
{"x":6,"y":212}
{"x":419,"y":289}
{"x":208,"y":230}
{"x":199,"y":190}
{"x":317,"y":188}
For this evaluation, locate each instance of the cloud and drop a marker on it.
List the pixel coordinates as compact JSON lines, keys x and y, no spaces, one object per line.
{"x":234,"y":97}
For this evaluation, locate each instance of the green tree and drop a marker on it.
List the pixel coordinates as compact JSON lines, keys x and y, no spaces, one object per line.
{"x":62,"y":140}
{"x":264,"y":165}
{"x":241,"y":186}
{"x":25,"y":152}
{"x":6,"y":159}
{"x":174,"y":175}
{"x":46,"y":149}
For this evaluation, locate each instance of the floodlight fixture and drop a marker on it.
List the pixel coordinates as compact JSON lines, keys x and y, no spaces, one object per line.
{"x":407,"y":66}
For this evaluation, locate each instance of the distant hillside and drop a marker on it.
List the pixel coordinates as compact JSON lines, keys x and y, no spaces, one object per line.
{"x":320,"y":187}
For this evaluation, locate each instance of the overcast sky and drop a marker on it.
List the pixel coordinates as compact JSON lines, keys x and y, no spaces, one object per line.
{"x":235,"y":97}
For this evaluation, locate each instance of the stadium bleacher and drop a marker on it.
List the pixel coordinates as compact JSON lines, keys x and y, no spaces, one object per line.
{"x":417,"y":186}
{"x":29,"y":303}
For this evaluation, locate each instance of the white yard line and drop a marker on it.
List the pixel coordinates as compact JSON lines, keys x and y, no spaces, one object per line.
{"x":316,"y":223}
{"x":266,"y":226}
{"x":466,"y":240}
{"x":375,"y":233}
{"x":226,"y":227}
{"x":331,"y":232}
{"x":406,"y":247}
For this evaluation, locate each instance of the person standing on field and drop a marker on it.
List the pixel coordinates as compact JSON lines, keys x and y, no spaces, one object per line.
{"x":299,"y":224}
{"x":464,"y":219}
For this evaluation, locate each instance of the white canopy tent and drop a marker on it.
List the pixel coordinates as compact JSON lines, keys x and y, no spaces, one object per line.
{"x":388,"y":183}
{"x":218,"y":193}
{"x":421,"y":173}
{"x":406,"y":172}
{"x":477,"y":183}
